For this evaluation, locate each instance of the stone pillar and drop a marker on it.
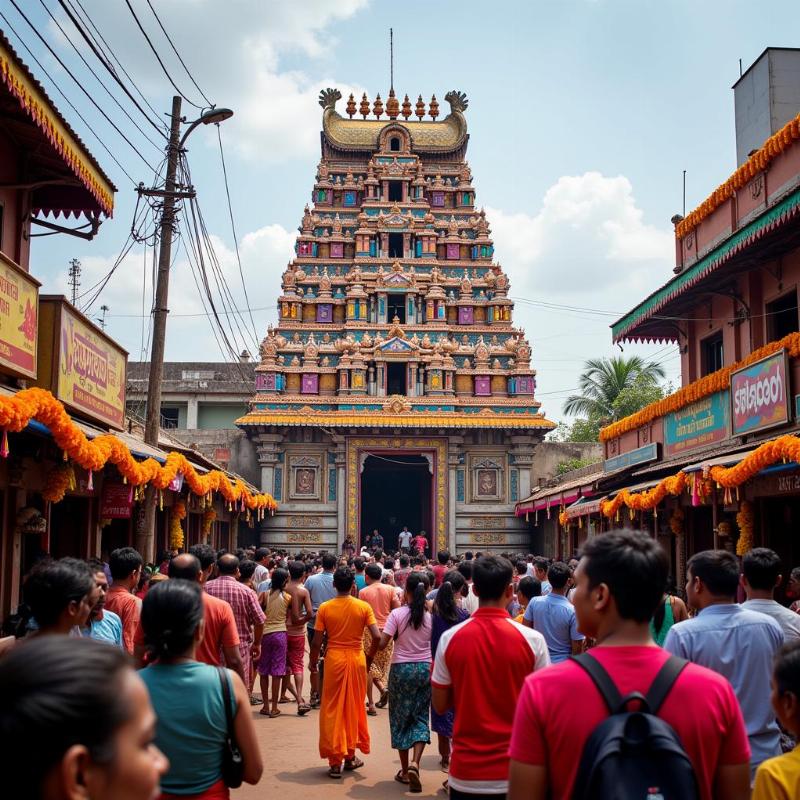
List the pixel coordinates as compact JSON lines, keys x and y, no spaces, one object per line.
{"x":267,"y":448}
{"x":341,"y":492}
{"x":522,"y":448}
{"x":191,"y":413}
{"x":454,"y":451}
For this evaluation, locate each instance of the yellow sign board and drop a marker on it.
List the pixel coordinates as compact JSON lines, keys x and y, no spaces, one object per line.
{"x":88,"y":367}
{"x":19,"y":317}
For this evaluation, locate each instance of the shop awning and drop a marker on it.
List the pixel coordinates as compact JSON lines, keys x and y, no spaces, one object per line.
{"x":562,"y":494}
{"x":726,"y":460}
{"x":585,"y":506}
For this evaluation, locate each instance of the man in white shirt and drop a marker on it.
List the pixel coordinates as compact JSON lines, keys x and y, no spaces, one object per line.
{"x":262,"y":559}
{"x":761,"y":575}
{"x":404,"y":540}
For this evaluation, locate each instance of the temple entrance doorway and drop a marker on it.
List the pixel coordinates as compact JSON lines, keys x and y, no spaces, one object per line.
{"x":396,"y":491}
{"x":396,"y":378}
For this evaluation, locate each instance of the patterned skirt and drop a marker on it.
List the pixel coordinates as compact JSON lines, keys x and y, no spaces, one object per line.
{"x":383,"y":658}
{"x":409,"y":704}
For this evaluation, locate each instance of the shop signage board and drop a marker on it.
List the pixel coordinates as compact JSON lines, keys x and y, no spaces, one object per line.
{"x":641,"y":455}
{"x":760,"y":395}
{"x":79,"y":364}
{"x":116,"y":501}
{"x":19,"y":319}
{"x":697,"y":425}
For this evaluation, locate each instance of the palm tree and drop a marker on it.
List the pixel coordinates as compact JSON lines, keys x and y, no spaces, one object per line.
{"x":603,"y":379}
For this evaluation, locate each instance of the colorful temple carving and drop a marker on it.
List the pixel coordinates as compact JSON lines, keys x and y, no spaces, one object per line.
{"x":395,"y":377}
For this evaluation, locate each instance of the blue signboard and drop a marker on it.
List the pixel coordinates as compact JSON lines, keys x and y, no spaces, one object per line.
{"x":698,"y":424}
{"x":639,"y":456}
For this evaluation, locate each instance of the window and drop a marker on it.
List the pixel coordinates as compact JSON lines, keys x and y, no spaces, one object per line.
{"x":711,"y":356}
{"x":394,"y":144}
{"x":395,"y":245}
{"x":395,"y":378}
{"x":397,"y":307}
{"x":782,"y":316}
{"x":396,"y":191}
{"x":169,"y":417}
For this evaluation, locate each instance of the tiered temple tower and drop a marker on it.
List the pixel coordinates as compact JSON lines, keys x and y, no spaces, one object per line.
{"x":395,"y":390}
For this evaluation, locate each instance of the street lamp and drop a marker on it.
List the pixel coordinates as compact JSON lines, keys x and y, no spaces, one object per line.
{"x":145,"y":539}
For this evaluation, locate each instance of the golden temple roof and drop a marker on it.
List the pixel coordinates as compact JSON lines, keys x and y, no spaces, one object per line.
{"x":362,"y":134}
{"x":369,"y":419}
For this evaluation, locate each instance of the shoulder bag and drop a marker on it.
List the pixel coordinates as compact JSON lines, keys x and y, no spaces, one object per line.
{"x":232,"y":762}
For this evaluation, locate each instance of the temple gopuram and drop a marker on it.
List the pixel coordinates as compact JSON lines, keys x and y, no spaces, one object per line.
{"x":395,"y":390}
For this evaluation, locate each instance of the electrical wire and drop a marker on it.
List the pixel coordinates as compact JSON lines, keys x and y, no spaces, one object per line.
{"x":80,"y":85}
{"x":109,"y":52}
{"x":158,"y":57}
{"x":175,"y":50}
{"x":233,"y":231}
{"x":135,"y":124}
{"x":65,"y":98}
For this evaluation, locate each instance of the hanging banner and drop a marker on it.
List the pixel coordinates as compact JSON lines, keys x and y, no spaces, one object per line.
{"x":116,"y":501}
{"x":696,"y":425}
{"x":760,"y":395}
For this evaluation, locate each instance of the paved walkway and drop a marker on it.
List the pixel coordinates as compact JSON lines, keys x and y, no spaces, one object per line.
{"x":292,"y":763}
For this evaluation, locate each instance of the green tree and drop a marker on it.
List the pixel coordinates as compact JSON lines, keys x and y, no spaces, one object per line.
{"x":602,"y":382}
{"x":581,"y":430}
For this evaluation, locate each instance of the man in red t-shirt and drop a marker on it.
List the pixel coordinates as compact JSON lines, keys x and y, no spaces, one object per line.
{"x":619,"y":583}
{"x":420,"y":543}
{"x":220,"y":636}
{"x":126,"y":567}
{"x":440,"y":570}
{"x":479,"y":669}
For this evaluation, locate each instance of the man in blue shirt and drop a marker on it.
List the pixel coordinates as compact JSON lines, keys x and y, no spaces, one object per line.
{"x":320,"y":587}
{"x":736,"y":642}
{"x":554,"y":616}
{"x":106,"y":626}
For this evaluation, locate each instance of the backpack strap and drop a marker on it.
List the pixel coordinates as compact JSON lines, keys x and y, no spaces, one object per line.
{"x":663,"y":682}
{"x":602,"y":680}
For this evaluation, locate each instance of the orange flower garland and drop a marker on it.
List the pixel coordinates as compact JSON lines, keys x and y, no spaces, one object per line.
{"x":758,"y":162}
{"x":177,"y":513}
{"x":784,"y":448}
{"x":676,"y":522}
{"x":715,"y":382}
{"x":208,"y":520}
{"x":563,"y":519}
{"x":40,"y":405}
{"x":58,"y":480}
{"x":744,"y":519}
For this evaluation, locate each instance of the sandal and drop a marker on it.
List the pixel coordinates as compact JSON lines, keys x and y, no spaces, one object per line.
{"x":355,"y":763}
{"x":303,"y":709}
{"x":414,"y":783}
{"x":446,"y":787}
{"x":371,"y":712}
{"x":335,"y":772}
{"x":384,"y":699}
{"x":273,"y":714}
{"x":399,"y":777}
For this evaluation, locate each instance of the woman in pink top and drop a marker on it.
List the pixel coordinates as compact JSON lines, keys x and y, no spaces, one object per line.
{"x":410,"y":678}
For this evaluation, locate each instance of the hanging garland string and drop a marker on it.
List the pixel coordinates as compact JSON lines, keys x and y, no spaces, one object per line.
{"x":40,"y":405}
{"x":784,"y":448}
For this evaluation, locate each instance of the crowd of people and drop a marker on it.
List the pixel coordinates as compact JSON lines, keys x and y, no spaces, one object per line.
{"x":536,"y":676}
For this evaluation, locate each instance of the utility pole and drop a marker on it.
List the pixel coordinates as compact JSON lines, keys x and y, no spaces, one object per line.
{"x":145,"y":540}
{"x":102,"y":320}
{"x":74,"y":278}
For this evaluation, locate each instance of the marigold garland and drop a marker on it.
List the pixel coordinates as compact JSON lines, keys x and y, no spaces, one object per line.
{"x":563,"y":519}
{"x":744,"y":519}
{"x":783,"y":448}
{"x":177,"y":513}
{"x":208,"y":520}
{"x":709,"y":384}
{"x":40,"y":405}
{"x":758,"y":162}
{"x":57,"y":482}
{"x":676,"y":521}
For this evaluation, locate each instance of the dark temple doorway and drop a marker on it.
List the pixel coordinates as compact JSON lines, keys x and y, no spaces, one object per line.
{"x":395,"y":491}
{"x":397,"y":308}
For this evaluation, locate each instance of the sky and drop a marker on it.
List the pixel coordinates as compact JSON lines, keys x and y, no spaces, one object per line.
{"x":583,"y":115}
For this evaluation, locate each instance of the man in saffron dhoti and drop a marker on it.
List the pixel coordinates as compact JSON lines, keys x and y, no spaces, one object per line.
{"x":342,"y":714}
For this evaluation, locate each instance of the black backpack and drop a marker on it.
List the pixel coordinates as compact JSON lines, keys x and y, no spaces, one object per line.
{"x":634,"y":755}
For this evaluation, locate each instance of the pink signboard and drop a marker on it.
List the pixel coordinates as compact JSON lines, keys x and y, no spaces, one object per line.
{"x":760,"y":395}
{"x":116,"y":501}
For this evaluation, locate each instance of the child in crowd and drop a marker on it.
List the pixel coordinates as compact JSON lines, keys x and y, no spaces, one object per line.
{"x":779,"y":778}
{"x":527,"y":589}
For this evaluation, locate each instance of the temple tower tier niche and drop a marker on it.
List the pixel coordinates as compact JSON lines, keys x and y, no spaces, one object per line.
{"x":395,"y":390}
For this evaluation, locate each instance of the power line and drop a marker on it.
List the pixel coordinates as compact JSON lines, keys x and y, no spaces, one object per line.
{"x":79,"y":84}
{"x":175,"y":50}
{"x":233,"y":231}
{"x":110,"y":52}
{"x":65,"y":98}
{"x":96,"y":76}
{"x":158,"y":57}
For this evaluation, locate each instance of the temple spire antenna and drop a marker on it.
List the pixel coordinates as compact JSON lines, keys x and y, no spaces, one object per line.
{"x":391,"y":59}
